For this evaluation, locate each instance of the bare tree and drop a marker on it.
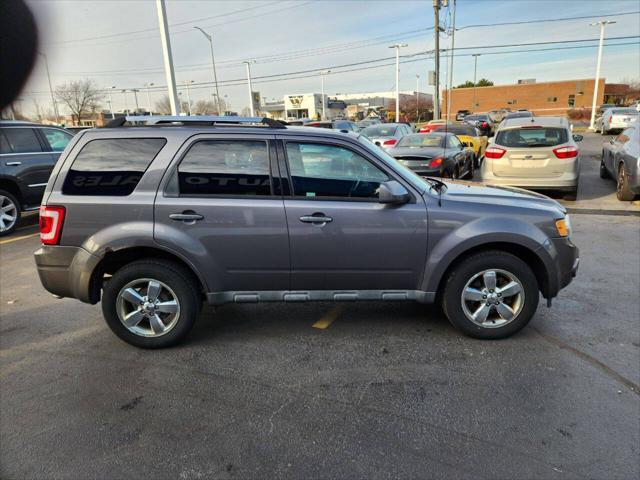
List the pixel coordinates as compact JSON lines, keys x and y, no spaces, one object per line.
{"x":207,"y":107}
{"x":80,"y":96}
{"x":163,"y":106}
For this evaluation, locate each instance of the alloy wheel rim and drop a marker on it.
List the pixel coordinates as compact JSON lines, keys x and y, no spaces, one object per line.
{"x":492,"y":298}
{"x":8,"y":213}
{"x":148,"y":307}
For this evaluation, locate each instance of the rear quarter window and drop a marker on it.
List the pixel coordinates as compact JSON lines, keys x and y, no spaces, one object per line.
{"x":111,"y":167}
{"x":532,"y":137}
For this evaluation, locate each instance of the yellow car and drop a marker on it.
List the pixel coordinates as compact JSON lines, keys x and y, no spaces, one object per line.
{"x":470,"y":137}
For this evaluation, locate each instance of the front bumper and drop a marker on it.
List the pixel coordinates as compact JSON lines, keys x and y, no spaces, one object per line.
{"x":66,"y":271}
{"x":565,"y":260}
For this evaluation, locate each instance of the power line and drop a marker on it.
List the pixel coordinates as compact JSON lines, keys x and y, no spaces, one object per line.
{"x":523,"y":22}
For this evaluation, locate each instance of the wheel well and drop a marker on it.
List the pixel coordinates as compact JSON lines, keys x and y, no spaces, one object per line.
{"x":114,"y":260}
{"x":12,"y":188}
{"x":523,"y":253}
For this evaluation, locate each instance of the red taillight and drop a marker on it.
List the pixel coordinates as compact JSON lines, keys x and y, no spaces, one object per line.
{"x":566,"y":152}
{"x":494,"y":152}
{"x":484,"y":125}
{"x":390,"y":142}
{"x":51,"y":220}
{"x":425,"y":130}
{"x":435,"y":162}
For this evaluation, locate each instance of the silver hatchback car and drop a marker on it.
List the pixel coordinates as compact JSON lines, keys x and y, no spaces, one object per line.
{"x":538,"y":153}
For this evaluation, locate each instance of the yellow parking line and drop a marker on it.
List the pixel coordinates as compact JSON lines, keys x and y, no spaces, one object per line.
{"x":328,"y":318}
{"x":15,"y":239}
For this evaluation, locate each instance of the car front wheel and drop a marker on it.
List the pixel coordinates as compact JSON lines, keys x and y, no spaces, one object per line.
{"x":490,"y":295}
{"x":151,"y":303}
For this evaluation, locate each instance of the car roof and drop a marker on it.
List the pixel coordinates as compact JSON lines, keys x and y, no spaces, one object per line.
{"x":10,"y":123}
{"x":535,"y":122}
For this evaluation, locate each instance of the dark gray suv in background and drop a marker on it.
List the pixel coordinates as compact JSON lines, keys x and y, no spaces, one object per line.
{"x":155,"y":216}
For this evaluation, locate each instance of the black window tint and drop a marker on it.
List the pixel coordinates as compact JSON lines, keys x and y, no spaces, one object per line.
{"x":4,"y":145}
{"x":225,"y":167}
{"x":22,"y":140}
{"x":330,"y":171}
{"x":111,"y":166}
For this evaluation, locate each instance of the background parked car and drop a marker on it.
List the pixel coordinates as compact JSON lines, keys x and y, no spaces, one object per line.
{"x":471,"y":137}
{"x":436,"y":154}
{"x":621,"y":160}
{"x":518,"y":114}
{"x":28,"y":153}
{"x":461,"y":114}
{"x":540,"y":155}
{"x":386,"y":135}
{"x":482,"y":122}
{"x":335,"y":124}
{"x":367,"y":122}
{"x":432,"y":125}
{"x":617,"y":119}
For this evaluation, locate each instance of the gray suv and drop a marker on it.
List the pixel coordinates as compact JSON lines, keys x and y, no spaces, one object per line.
{"x":159,"y":214}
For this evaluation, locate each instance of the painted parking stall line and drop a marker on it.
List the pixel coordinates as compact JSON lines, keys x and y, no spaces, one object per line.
{"x":328,"y":318}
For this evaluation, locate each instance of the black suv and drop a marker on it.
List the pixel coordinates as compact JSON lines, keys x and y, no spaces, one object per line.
{"x":28,"y":153}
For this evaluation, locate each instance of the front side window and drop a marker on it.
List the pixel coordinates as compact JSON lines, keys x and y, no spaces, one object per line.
{"x":225,"y":167}
{"x":22,"y":140}
{"x":532,"y":137}
{"x":319,"y":170}
{"x":453,"y":142}
{"x":111,"y":167}
{"x":57,"y":138}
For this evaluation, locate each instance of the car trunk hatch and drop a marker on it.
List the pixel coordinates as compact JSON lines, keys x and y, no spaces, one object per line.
{"x":529,"y":163}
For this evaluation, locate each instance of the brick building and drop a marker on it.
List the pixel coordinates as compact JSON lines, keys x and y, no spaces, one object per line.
{"x":544,"y":98}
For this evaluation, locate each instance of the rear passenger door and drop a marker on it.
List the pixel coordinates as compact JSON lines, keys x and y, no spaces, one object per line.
{"x":221,"y":209}
{"x":24,"y":157}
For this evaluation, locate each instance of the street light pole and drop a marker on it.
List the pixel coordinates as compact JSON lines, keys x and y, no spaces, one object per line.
{"x":453,"y":46}
{"x":398,"y":46}
{"x":475,"y":70}
{"x":148,"y":86}
{"x":135,"y":96}
{"x":248,"y":65}
{"x":187,"y":83}
{"x":602,"y":23}
{"x":53,"y":98}
{"x":324,"y":102}
{"x":124,"y":94}
{"x":167,"y":56}
{"x":417,"y":97}
{"x":436,"y":24}
{"x":113,"y":115}
{"x":213,"y":64}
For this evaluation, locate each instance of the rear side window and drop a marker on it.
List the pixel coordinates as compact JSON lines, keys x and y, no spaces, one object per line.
{"x":111,"y":167}
{"x":225,"y":167}
{"x":22,"y":140}
{"x":532,"y":137}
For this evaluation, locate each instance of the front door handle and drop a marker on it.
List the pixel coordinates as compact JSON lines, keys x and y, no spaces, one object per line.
{"x":13,"y":164}
{"x":186,"y":216}
{"x":316,"y":218}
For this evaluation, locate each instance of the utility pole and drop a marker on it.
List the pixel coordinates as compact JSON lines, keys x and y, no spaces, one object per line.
{"x":417,"y":97}
{"x":53,"y":98}
{"x":602,"y":23}
{"x":113,"y":115}
{"x":453,"y":46}
{"x":248,"y":65}
{"x":167,"y":57}
{"x":187,"y":83}
{"x":148,"y":86}
{"x":324,"y":101}
{"x":213,"y":64}
{"x":475,"y":70}
{"x":398,"y":46}
{"x":436,"y":97}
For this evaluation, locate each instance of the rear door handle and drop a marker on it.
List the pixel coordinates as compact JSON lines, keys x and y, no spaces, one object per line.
{"x":186,"y":216}
{"x":13,"y":164}
{"x":315,"y":219}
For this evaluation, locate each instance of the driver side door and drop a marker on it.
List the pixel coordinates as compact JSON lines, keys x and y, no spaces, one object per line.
{"x":340,"y":236}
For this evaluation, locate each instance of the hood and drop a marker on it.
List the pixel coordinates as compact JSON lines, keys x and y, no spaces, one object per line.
{"x":425,"y":152}
{"x":499,"y":195}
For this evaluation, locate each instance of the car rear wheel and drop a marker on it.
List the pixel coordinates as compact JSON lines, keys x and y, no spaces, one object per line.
{"x":151,"y":303}
{"x":490,"y":295}
{"x":9,"y":213}
{"x":623,"y":191}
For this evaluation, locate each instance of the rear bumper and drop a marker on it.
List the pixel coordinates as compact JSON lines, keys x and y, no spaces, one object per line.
{"x":66,"y":271}
{"x":568,"y":181}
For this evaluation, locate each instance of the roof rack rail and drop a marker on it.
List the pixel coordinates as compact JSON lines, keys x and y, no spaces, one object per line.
{"x":192,"y":119}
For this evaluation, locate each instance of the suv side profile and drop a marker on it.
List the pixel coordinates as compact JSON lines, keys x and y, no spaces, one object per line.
{"x":28,"y":153}
{"x":153,"y":220}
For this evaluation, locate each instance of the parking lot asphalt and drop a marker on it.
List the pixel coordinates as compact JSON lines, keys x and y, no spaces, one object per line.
{"x":367,"y":390}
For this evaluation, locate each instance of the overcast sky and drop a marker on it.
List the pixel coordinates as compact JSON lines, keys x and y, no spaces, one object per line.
{"x":117,"y":43}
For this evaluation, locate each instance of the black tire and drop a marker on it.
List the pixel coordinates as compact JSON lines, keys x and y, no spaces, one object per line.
{"x":176,"y":277}
{"x":467,"y":269}
{"x":603,"y":170}
{"x":623,"y":190}
{"x":469,"y":175}
{"x":10,"y":199}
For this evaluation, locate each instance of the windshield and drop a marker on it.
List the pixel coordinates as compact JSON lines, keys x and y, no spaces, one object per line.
{"x":421,"y":140}
{"x":532,"y":137}
{"x":519,"y":115}
{"x":380,"y":131}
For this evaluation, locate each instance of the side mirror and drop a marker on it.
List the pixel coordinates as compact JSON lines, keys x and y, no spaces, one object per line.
{"x":577,"y":138}
{"x":394,"y":193}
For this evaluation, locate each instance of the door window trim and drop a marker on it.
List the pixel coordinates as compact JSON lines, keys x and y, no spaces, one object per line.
{"x":172,"y":171}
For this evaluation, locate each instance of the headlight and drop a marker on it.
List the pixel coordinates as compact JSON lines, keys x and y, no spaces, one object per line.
{"x":564,"y":226}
